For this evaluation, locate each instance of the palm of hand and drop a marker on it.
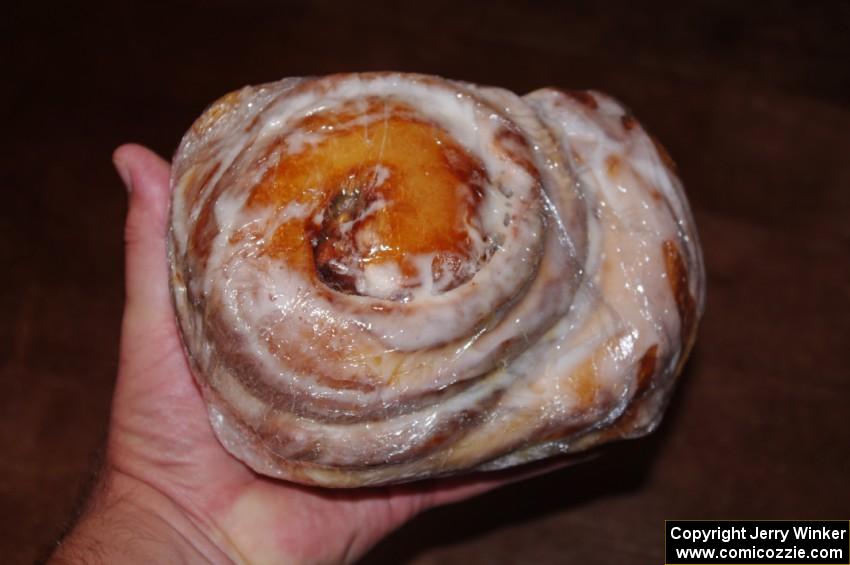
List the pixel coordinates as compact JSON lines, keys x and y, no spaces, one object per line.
{"x":160,"y":434}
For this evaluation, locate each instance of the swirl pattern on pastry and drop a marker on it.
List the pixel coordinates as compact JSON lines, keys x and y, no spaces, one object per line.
{"x":383,"y":277}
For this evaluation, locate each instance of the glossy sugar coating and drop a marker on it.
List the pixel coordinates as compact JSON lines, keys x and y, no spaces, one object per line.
{"x":384,"y":277}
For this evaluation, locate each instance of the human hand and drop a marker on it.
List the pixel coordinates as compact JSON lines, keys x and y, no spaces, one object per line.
{"x":169,"y":491}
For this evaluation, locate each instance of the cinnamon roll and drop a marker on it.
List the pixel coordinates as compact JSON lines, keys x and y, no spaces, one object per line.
{"x":384,"y":277}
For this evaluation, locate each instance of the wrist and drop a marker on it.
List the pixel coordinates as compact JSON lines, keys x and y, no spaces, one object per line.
{"x":128,"y":521}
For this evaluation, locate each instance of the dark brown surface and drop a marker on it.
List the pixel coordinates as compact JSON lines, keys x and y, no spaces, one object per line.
{"x":753,"y":102}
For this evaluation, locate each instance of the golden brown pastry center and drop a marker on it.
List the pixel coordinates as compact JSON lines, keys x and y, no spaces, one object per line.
{"x":390,"y":189}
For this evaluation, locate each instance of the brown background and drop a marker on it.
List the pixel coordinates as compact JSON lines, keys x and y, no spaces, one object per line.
{"x":751,"y":98}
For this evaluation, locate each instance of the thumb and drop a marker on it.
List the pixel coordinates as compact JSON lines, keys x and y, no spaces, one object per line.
{"x":146,"y":177}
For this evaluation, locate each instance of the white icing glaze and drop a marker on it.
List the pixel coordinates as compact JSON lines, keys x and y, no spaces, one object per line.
{"x":543,"y":341}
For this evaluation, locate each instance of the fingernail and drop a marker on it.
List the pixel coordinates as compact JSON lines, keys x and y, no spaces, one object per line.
{"x":124,"y":173}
